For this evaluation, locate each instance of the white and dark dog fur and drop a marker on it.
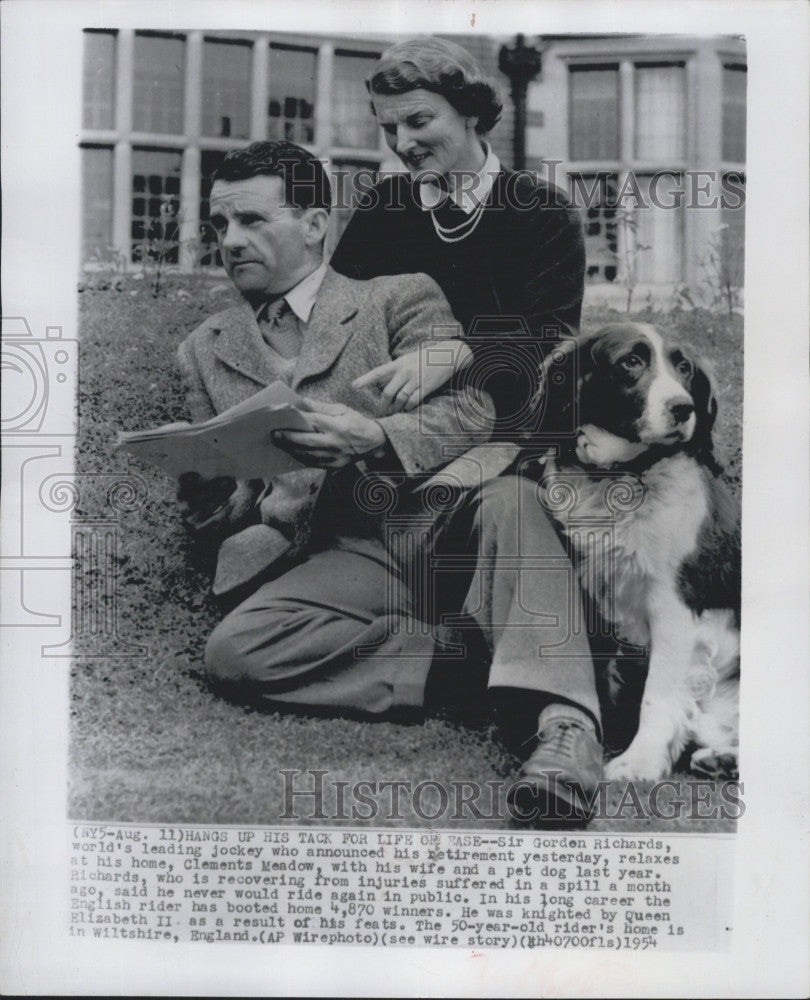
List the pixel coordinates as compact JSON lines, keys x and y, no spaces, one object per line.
{"x":635,"y":414}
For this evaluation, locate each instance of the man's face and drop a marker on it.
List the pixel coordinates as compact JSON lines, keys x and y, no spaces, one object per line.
{"x":265,"y":247}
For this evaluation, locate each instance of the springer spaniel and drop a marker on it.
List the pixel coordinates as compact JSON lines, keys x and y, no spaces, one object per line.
{"x":633,"y":482}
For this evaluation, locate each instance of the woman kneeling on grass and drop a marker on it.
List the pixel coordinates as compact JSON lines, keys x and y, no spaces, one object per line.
{"x":506,"y":249}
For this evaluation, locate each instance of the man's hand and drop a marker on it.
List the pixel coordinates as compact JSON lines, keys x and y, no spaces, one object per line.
{"x":205,"y":503}
{"x":340,"y":436}
{"x":412,"y":377}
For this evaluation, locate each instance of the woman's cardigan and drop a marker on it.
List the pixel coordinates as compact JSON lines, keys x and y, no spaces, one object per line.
{"x":515,"y":283}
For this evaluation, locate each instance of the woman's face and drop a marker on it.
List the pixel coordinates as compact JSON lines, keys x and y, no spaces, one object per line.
{"x":427,"y":133}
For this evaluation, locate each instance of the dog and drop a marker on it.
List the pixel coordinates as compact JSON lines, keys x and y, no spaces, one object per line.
{"x":633,"y":482}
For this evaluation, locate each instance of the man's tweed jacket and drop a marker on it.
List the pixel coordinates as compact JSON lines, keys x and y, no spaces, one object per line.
{"x":354,"y":326}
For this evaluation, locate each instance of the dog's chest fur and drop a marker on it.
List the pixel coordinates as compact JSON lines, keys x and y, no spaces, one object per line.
{"x":630,"y":533}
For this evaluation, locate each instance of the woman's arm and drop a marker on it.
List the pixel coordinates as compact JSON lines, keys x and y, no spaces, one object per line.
{"x":409,"y":379}
{"x":539,"y":300}
{"x":365,"y":251}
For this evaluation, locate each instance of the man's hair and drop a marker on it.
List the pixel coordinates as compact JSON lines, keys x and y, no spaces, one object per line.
{"x":444,"y":68}
{"x":306,"y":184}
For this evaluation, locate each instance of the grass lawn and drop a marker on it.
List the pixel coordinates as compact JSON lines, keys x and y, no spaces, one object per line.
{"x":149,"y":741}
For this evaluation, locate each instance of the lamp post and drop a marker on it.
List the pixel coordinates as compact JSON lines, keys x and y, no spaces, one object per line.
{"x":521,"y":64}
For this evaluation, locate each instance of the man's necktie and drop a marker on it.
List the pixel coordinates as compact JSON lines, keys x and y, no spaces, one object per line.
{"x":279,"y":328}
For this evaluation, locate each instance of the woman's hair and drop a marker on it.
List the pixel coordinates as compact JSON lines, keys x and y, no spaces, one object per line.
{"x":444,"y":68}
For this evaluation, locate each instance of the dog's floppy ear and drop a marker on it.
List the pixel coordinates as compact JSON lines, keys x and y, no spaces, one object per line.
{"x":703,"y":396}
{"x":565,"y":368}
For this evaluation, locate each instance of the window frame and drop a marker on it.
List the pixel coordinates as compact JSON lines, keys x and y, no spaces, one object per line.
{"x":113,"y":34}
{"x":733,"y":65}
{"x":629,"y":60}
{"x":283,"y":118}
{"x":608,"y":65}
{"x":140,"y":132}
{"x":191,"y":142}
{"x":235,"y":42}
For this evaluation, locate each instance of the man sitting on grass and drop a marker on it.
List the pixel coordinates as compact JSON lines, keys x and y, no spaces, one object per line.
{"x":318,"y":566}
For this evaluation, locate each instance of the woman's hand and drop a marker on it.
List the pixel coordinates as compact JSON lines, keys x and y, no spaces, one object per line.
{"x":411,"y":378}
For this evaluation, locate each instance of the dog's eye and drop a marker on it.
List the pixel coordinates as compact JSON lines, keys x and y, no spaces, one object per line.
{"x":684,"y":367}
{"x":631,"y":362}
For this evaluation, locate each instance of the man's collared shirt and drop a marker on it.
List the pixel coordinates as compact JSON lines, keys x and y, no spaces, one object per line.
{"x":472,"y":190}
{"x":282,"y":321}
{"x":301,"y":298}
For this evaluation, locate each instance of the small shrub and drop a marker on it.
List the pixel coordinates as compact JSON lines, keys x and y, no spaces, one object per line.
{"x":724,"y":269}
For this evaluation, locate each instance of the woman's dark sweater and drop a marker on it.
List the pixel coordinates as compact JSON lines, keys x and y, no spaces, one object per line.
{"x":515,"y":284}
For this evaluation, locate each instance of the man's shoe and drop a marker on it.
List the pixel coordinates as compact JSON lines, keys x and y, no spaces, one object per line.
{"x":557,"y":785}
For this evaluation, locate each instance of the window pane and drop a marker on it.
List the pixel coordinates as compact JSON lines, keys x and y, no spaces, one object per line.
{"x":158,"y":84}
{"x":735,"y":78}
{"x":595,"y":197}
{"x":660,"y":112}
{"x":291,"y":101}
{"x":732,"y":246}
{"x":155,"y":204}
{"x":99,"y":79}
{"x":658,"y":231}
{"x":209,"y":254}
{"x":594,"y":113}
{"x":97,"y":195}
{"x":353,"y":122}
{"x":226,"y":89}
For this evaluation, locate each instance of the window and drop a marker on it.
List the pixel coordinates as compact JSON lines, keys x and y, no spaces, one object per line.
{"x":354,"y":123}
{"x":595,"y":197}
{"x":157,"y":93}
{"x":660,"y":111}
{"x":735,"y":78}
{"x":97,"y":184}
{"x":291,"y":104}
{"x":209,"y":253}
{"x":657,"y":229}
{"x":99,"y":79}
{"x":733,"y":241}
{"x":594,"y":94}
{"x":155,"y":204}
{"x":226,"y":89}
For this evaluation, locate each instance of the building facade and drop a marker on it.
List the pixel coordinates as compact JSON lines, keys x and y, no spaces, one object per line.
{"x":631,"y":125}
{"x":161,"y":110}
{"x":648,"y":135}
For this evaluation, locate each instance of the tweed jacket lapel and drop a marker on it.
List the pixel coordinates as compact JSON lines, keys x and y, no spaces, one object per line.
{"x":329,"y":329}
{"x":240,"y":345}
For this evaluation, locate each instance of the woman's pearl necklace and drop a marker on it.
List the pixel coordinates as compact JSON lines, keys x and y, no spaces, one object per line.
{"x":469,"y":225}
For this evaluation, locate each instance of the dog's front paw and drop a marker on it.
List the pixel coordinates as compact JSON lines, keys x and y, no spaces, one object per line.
{"x":719,"y":764}
{"x":638,"y":764}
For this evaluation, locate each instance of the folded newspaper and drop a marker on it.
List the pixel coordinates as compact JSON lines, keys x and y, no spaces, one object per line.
{"x":237,"y":442}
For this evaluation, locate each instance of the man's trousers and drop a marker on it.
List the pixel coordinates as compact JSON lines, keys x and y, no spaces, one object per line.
{"x":344,"y":630}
